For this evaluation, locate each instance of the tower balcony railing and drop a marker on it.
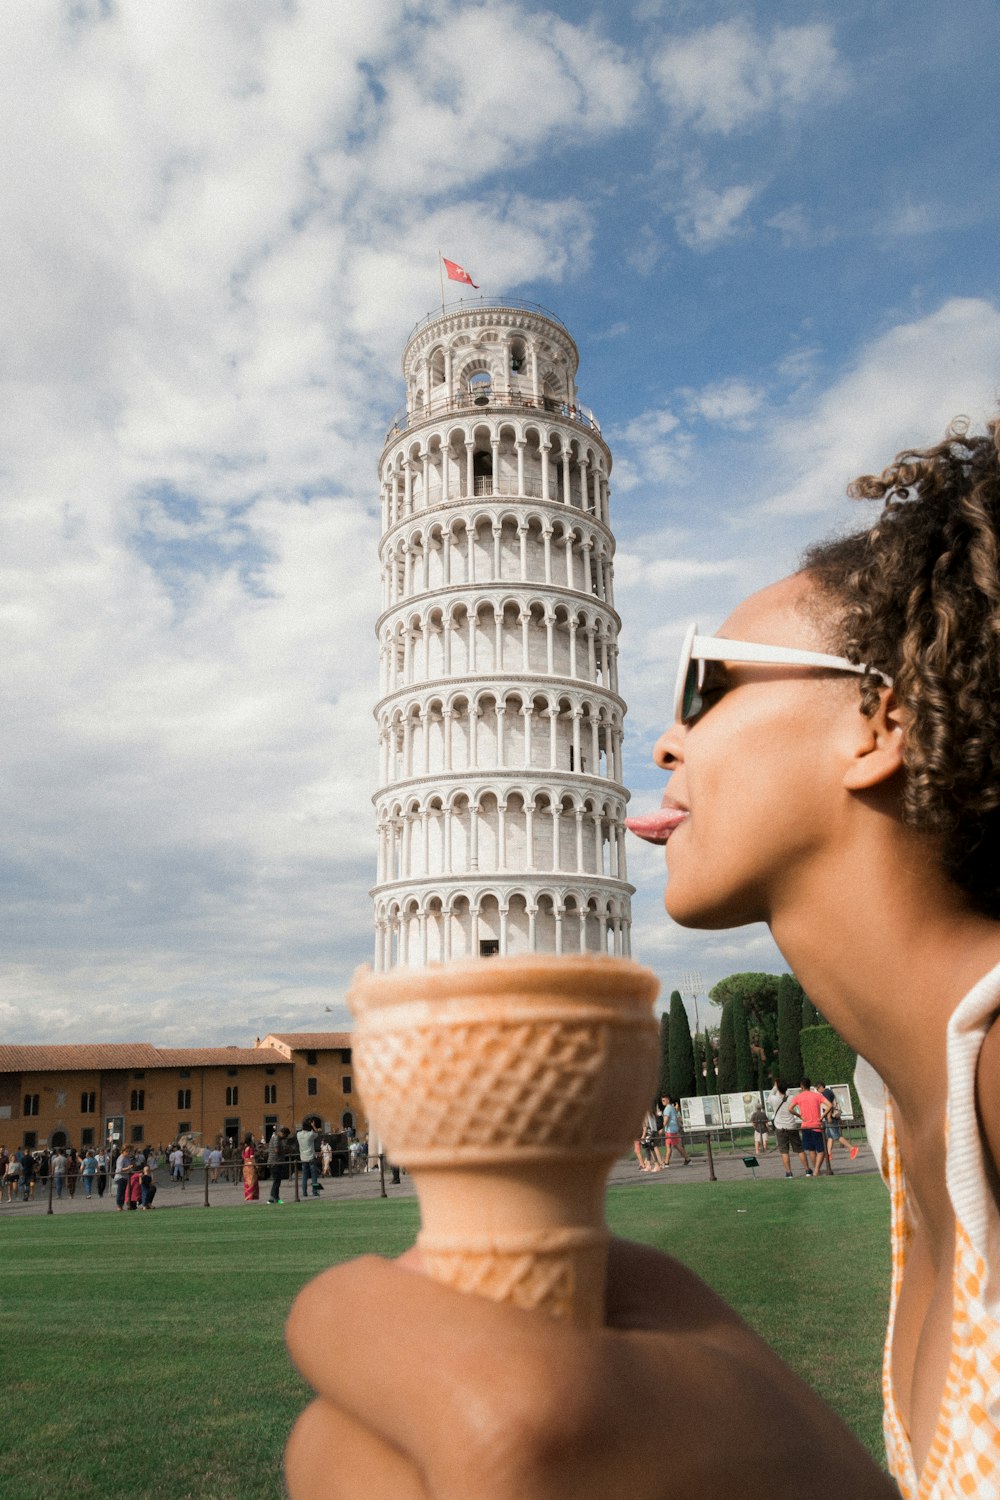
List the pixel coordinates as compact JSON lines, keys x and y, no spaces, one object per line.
{"x":483,"y":304}
{"x":493,"y":398}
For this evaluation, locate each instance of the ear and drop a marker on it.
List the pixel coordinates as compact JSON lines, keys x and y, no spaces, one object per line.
{"x":877,"y":750}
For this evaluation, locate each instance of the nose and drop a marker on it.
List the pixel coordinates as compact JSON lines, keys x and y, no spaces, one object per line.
{"x":668,"y":752}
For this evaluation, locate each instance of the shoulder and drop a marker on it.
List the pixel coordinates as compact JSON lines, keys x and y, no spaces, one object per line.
{"x":988,"y":1090}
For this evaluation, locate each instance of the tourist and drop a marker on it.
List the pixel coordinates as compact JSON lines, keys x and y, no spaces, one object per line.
{"x":308,"y":1140}
{"x":147,"y":1181}
{"x":29,"y":1172}
{"x":787,"y":1129}
{"x":811,"y":1109}
{"x":176,"y":1160}
{"x":102,"y":1172}
{"x":58,"y":1164}
{"x":251,"y":1177}
{"x":832,"y":1132}
{"x":88,"y":1171}
{"x":758,"y":1119}
{"x":277,"y":1150}
{"x":672,"y":1131}
{"x":12,"y":1176}
{"x":123,"y":1171}
{"x":856,"y":810}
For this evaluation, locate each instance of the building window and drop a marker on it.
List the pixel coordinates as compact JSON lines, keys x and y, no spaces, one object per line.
{"x":88,"y":1102}
{"x":270,"y":1072}
{"x":136,"y":1135}
{"x":183,"y":1126}
{"x":270,"y":1093}
{"x":347,"y":1084}
{"x":87,"y":1136}
{"x":345,"y":1056}
{"x":232,"y":1094}
{"x":30,"y":1140}
{"x":232,"y":1072}
{"x":310,"y":1059}
{"x":183,"y":1098}
{"x":489,"y":948}
{"x":31,"y":1104}
{"x":138,"y":1101}
{"x":184,"y":1073}
{"x":312,"y":1085}
{"x":138,"y":1075}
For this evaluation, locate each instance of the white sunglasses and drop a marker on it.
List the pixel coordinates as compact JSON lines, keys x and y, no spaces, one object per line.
{"x":698,"y":649}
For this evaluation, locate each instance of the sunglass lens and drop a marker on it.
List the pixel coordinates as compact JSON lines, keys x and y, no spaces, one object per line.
{"x":691,"y":700}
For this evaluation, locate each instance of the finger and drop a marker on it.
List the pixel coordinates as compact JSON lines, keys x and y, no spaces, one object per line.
{"x":435,"y":1356}
{"x":649,"y":1291}
{"x":331,"y":1457}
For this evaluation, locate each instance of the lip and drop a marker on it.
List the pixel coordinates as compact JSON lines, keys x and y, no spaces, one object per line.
{"x":657,"y":827}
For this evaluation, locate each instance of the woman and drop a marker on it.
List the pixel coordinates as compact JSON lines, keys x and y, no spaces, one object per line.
{"x":251,"y":1177}
{"x":835,"y":772}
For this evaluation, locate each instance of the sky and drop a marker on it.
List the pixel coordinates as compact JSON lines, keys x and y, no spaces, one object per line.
{"x":772,"y":230}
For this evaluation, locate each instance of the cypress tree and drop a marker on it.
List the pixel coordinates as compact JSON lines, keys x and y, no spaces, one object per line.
{"x":663,"y":1085}
{"x":682,"y":1079}
{"x":744,"y":1057}
{"x":727,"y":1051}
{"x":789,"y":1026}
{"x":810,"y":1015}
{"x":711,"y":1082}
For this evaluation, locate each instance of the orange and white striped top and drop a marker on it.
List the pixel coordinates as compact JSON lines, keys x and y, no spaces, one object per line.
{"x":964,"y":1456}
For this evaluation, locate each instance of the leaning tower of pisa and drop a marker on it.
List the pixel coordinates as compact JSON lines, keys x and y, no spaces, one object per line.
{"x":500,"y":807}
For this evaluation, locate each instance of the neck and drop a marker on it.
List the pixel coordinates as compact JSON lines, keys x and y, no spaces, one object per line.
{"x":887,"y":956}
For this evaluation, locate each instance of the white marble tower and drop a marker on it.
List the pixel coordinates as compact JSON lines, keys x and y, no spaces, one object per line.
{"x":500,"y":805}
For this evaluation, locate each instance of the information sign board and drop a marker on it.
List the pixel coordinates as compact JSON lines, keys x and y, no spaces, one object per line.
{"x":702,"y":1112}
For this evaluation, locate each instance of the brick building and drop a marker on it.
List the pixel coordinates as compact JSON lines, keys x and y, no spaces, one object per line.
{"x":133,"y":1092}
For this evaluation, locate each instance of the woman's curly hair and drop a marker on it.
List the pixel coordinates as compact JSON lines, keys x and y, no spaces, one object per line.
{"x":918,"y":595}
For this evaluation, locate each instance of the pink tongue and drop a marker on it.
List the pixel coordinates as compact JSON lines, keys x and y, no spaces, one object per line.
{"x":656,"y":827}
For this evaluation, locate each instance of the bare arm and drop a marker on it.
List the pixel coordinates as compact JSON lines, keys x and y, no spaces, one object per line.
{"x":426,"y":1394}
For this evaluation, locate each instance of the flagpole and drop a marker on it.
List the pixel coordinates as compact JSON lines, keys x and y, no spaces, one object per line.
{"x":441,"y":274}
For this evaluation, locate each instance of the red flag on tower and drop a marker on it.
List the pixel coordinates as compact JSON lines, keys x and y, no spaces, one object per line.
{"x":458,"y":273}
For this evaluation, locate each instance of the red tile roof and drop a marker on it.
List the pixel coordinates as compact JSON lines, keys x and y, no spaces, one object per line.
{"x":310,"y":1041}
{"x":93,"y":1056}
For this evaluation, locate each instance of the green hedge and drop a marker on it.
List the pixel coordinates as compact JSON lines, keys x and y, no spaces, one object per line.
{"x":827,"y":1058}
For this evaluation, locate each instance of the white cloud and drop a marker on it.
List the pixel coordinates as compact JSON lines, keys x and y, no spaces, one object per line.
{"x":902,"y":391}
{"x":730,"y":402}
{"x":708,"y":217}
{"x":728,"y":77}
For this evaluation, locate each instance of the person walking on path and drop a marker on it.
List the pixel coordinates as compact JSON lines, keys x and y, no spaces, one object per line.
{"x":102,"y":1172}
{"x":672,"y":1135}
{"x":833,"y":1134}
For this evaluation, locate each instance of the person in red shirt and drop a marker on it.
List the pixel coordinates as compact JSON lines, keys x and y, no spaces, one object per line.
{"x":812,"y":1109}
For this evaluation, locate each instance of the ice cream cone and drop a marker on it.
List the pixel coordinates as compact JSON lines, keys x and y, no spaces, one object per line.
{"x":507,"y":1087}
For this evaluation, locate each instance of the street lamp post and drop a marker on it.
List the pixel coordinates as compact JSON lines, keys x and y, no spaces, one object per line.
{"x":693,"y":985}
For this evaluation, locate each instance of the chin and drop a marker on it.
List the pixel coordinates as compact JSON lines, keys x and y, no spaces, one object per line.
{"x":705,"y":911}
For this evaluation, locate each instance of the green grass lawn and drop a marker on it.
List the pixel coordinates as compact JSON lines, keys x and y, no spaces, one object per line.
{"x":141,"y":1355}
